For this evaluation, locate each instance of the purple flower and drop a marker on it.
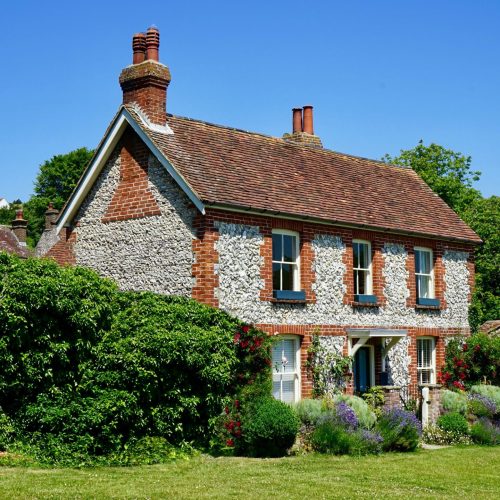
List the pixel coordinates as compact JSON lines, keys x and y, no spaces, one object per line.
{"x":371,"y":437}
{"x":399,"y":419}
{"x":489,"y":404}
{"x":345,"y":415}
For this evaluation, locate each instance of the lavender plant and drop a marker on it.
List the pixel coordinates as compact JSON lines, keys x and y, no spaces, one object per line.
{"x":481,"y":406}
{"x":400,"y":430}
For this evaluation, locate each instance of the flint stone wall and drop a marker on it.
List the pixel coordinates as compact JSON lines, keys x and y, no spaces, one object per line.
{"x":150,"y":253}
{"x":240,"y":283}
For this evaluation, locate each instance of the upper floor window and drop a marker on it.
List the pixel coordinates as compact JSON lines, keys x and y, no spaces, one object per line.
{"x":285,"y":260}
{"x":424,"y":273}
{"x":426,"y":360}
{"x":362,"y":267}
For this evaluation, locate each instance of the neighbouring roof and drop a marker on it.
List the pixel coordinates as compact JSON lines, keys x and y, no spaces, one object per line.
{"x":9,"y":243}
{"x":227,"y":167}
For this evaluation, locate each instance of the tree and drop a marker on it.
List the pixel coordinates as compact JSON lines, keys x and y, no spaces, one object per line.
{"x":55,"y":182}
{"x":449,"y":174}
{"x":7,"y":215}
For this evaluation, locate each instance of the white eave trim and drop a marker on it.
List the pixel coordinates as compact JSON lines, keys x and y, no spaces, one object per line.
{"x":122,"y":120}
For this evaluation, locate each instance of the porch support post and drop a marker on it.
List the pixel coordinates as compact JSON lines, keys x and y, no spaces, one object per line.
{"x":360,"y":343}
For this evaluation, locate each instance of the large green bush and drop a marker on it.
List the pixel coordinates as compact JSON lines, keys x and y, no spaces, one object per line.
{"x":86,"y":369}
{"x":176,"y":357}
{"x":269,"y":428}
{"x":51,"y":320}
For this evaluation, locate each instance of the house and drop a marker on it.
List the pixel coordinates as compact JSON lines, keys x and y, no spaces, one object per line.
{"x":280,"y":232}
{"x":13,"y":238}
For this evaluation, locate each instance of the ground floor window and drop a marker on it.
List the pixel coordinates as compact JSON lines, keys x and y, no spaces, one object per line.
{"x":426,"y":360}
{"x":286,"y":369}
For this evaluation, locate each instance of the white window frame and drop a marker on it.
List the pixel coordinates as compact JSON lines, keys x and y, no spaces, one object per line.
{"x":432,"y":294}
{"x":279,"y":371}
{"x":296,"y":264}
{"x":432,"y":367}
{"x":369,"y":279}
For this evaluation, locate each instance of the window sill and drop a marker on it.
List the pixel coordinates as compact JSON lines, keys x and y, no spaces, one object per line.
{"x":357,"y":304}
{"x":422,"y":307}
{"x":365,"y":300}
{"x":294,"y":295}
{"x":428,"y":302}
{"x":288,"y":301}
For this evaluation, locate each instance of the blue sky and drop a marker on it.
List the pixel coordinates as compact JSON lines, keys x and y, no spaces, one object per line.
{"x":381,"y":74}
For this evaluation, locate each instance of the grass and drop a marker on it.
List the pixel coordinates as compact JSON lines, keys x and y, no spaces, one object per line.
{"x":445,"y":473}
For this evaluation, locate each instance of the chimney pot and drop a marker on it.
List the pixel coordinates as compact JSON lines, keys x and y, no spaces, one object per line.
{"x":145,"y":84}
{"x":297,"y":120}
{"x":152,"y":44}
{"x":308,"y":120}
{"x":139,"y":48}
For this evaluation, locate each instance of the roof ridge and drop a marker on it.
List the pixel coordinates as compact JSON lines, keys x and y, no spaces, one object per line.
{"x":291,"y":143}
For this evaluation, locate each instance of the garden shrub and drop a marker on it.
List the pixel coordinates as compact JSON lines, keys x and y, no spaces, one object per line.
{"x":176,"y":357}
{"x":399,"y":429}
{"x":454,"y":423}
{"x":490,"y":391}
{"x":481,"y":406}
{"x":337,"y":433}
{"x":432,"y":434}
{"x":269,"y":429}
{"x":471,"y":360}
{"x":485,"y":432}
{"x":309,"y":411}
{"x":366,"y":417}
{"x":454,"y":401}
{"x":374,"y":397}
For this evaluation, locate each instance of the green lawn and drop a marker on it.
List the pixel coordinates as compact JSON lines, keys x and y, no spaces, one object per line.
{"x":470,"y":472}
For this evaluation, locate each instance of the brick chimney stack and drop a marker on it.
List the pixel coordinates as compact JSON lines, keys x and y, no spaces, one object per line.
{"x":302,"y":128}
{"x":51,"y":215}
{"x":145,"y":82}
{"x":19,"y":226}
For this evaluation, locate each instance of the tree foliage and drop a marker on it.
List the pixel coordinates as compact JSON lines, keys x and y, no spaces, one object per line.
{"x":7,"y":215}
{"x":450,"y":175}
{"x":55,"y":182}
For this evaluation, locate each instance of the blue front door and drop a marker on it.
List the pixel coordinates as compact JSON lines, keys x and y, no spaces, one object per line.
{"x":362,"y":370}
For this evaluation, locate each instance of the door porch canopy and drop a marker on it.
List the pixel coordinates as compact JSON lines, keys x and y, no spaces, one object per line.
{"x":363,"y":335}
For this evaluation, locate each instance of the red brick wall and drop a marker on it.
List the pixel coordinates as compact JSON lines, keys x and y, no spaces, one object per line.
{"x":63,"y":251}
{"x":133,"y":198}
